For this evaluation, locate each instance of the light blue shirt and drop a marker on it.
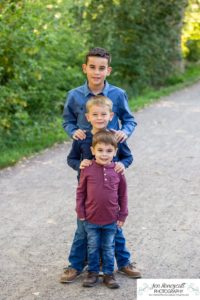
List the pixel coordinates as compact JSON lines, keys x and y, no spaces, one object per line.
{"x":75,"y":109}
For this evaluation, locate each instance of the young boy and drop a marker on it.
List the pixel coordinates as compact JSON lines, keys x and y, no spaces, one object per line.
{"x":101,"y":204}
{"x":99,"y":113}
{"x":97,"y":68}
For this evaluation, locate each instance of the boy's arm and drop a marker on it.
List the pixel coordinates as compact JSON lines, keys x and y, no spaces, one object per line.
{"x":81,"y":194}
{"x":74,"y":156}
{"x":122,"y":199}
{"x":70,"y":119}
{"x":124,"y":154}
{"x":126,"y":117}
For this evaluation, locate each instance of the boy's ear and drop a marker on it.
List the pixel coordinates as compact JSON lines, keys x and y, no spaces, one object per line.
{"x":92,"y":150}
{"x":84,"y":68}
{"x":109,"y":70}
{"x":111,"y":115}
{"x":87,"y":117}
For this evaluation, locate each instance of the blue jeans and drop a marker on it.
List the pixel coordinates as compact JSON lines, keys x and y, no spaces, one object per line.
{"x":78,"y":252}
{"x":100,"y":240}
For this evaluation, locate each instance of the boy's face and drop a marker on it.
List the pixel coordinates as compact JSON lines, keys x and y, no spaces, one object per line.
{"x":103,"y":153}
{"x":97,"y":70}
{"x":99,"y":116}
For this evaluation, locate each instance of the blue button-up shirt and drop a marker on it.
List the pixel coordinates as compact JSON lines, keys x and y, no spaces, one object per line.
{"x":75,"y":109}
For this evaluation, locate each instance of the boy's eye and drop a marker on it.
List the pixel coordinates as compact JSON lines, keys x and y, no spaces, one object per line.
{"x":102,"y":68}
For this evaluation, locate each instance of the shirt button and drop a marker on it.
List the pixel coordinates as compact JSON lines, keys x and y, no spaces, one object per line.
{"x":105,"y":179}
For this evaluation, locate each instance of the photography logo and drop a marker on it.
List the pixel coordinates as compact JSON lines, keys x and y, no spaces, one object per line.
{"x":173,"y":289}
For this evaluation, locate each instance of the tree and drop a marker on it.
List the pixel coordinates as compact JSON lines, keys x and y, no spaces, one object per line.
{"x":40,"y":55}
{"x":191,"y":31}
{"x":143,"y":37}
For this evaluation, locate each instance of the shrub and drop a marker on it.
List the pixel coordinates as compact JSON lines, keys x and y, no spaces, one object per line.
{"x":40,"y":57}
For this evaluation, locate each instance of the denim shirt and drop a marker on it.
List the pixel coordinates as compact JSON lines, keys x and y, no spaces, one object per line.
{"x":81,"y":150}
{"x":75,"y":109}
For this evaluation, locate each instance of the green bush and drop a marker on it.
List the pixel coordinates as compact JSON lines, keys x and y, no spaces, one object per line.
{"x":39,"y":56}
{"x":193,"y":50}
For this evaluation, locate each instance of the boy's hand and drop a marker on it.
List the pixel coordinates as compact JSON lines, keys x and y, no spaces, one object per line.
{"x":79,"y":134}
{"x":120,"y":135}
{"x":120,"y":223}
{"x":85,"y":163}
{"x":119,"y":168}
{"x":82,"y":219}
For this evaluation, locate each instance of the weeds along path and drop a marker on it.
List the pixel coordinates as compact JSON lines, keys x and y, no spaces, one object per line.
{"x":37,"y":217}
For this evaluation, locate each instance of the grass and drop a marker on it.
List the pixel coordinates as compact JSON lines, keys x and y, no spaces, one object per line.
{"x":150,"y":95}
{"x":13,"y":155}
{"x":36,"y":142}
{"x":44,"y":137}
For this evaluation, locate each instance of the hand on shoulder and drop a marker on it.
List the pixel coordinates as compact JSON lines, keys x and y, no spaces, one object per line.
{"x":120,"y":135}
{"x":79,"y":134}
{"x":85,"y":163}
{"x":119,"y":167}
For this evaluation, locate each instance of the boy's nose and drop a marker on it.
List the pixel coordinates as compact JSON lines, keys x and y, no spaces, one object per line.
{"x":96,"y":71}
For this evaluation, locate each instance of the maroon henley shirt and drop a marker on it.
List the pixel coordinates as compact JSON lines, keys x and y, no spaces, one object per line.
{"x":101,"y":195}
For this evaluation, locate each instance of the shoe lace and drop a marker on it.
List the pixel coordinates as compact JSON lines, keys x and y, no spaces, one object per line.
{"x":112,"y":276}
{"x":132,"y":266}
{"x":68,"y":270}
{"x":91,"y":274}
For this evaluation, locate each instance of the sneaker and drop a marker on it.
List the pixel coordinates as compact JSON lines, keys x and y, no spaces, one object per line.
{"x":131,"y":271}
{"x":91,"y":279}
{"x":110,"y":281}
{"x":69,"y":275}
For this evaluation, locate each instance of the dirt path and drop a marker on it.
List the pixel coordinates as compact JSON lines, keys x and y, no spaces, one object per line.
{"x":37,"y":217}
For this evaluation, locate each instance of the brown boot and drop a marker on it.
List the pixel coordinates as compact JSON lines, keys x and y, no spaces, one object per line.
{"x":110,"y":281}
{"x":69,"y":275}
{"x":91,"y":279}
{"x":130,"y":271}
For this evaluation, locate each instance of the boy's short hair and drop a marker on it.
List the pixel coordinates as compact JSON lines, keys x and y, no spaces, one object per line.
{"x":106,"y":137}
{"x":99,"y":100}
{"x":99,"y":52}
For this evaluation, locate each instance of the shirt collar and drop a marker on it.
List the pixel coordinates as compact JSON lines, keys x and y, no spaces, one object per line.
{"x":88,"y":92}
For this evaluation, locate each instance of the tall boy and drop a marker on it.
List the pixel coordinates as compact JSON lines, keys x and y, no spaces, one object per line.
{"x":101,"y":204}
{"x":97,"y":68}
{"x":99,"y":113}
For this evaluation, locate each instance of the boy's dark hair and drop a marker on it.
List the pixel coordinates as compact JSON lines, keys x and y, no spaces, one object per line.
{"x":99,"y":52}
{"x":106,"y":137}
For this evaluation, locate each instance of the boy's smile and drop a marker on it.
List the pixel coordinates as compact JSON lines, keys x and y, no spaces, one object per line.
{"x":103,"y":153}
{"x":99,"y":117}
{"x":97,"y":70}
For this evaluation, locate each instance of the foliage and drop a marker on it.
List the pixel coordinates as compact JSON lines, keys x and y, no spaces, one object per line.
{"x":39,"y":58}
{"x":191,"y":31}
{"x":143,"y":37}
{"x":174,"y":83}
